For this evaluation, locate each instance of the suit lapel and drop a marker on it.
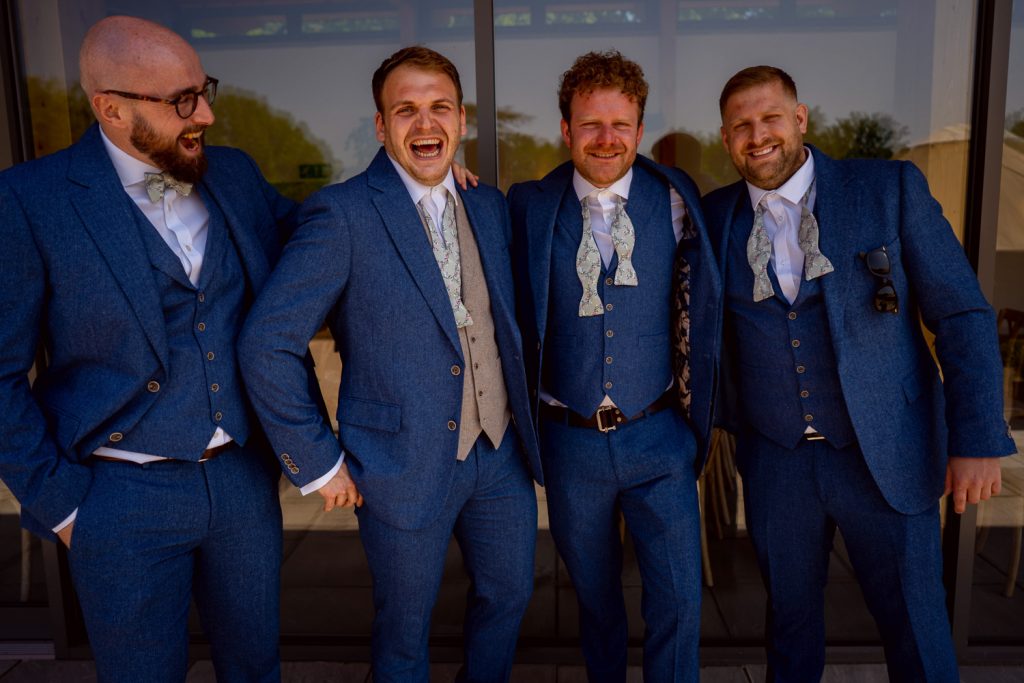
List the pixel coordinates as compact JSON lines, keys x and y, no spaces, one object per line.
{"x":405,"y":227}
{"x":107,"y":214}
{"x":486,"y":230}
{"x":541,"y":216}
{"x":835,"y":213}
{"x":245,"y":239}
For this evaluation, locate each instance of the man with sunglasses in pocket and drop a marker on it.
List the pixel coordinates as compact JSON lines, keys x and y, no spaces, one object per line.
{"x":131,"y":257}
{"x":829,"y":267}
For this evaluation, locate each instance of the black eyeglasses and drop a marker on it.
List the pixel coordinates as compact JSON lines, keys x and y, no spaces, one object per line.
{"x":184,"y":104}
{"x":877,"y":261}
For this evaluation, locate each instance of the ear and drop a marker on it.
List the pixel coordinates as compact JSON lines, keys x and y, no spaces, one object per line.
{"x":801,"y":117}
{"x":566,"y":137}
{"x":639,"y":134}
{"x":110,"y":111}
{"x":725,"y":138}
{"x":378,"y":123}
{"x":462,"y":120}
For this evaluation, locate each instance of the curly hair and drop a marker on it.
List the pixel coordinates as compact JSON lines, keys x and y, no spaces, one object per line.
{"x":753,"y":76}
{"x":418,"y":57}
{"x":596,"y":70}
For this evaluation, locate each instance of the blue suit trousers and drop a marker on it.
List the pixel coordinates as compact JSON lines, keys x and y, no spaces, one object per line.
{"x":491,"y":508}
{"x":644,"y":469}
{"x":795,"y":500}
{"x":148,"y":537}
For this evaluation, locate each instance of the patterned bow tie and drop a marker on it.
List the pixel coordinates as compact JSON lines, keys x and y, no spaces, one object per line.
{"x":759,"y":249}
{"x":588,"y":258}
{"x":156,"y":182}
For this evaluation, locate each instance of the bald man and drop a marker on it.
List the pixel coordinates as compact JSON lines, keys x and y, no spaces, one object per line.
{"x":132,"y":257}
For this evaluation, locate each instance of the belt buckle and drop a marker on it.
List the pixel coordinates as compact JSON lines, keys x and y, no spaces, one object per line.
{"x":605,"y":410}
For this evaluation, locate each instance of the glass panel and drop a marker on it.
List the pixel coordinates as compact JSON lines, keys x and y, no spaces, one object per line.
{"x":997,"y":603}
{"x":885,"y":78}
{"x":295,"y":94}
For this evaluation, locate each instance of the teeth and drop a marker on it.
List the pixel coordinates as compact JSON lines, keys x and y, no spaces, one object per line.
{"x":193,"y":136}
{"x":761,"y":153}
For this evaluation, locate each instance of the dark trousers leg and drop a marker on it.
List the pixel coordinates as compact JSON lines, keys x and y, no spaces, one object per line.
{"x":138,"y":550}
{"x":646,"y":470}
{"x":491,"y":504}
{"x":238,"y":568}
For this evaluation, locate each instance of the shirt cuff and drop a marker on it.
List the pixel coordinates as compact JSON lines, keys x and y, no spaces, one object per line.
{"x":68,"y":520}
{"x":318,"y":484}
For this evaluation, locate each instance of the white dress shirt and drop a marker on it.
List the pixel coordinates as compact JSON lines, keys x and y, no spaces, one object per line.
{"x":782,"y":223}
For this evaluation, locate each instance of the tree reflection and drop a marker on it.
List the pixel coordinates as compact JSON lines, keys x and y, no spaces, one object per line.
{"x":290,"y":157}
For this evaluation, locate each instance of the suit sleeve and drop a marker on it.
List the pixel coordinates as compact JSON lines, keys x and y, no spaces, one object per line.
{"x":954,"y":309}
{"x":305,"y":285}
{"x":48,"y":485}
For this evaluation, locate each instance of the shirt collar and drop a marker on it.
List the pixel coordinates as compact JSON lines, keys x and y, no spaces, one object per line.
{"x":129,"y":169}
{"x":417,"y":190}
{"x":793,"y":190}
{"x":584,"y":187}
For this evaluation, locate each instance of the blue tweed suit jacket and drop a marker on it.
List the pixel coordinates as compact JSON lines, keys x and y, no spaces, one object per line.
{"x":906,"y":419}
{"x":75,"y":275}
{"x":535,"y":206}
{"x":360,"y":261}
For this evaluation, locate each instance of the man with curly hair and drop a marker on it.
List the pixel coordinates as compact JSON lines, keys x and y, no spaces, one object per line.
{"x":594,"y":248}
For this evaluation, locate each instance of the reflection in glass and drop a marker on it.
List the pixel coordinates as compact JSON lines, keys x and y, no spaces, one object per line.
{"x":997,"y":603}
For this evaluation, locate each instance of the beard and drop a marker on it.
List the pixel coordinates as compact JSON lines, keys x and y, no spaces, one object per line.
{"x":165,"y":154}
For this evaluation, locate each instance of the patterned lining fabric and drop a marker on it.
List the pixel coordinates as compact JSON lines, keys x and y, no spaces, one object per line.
{"x":681,"y":316}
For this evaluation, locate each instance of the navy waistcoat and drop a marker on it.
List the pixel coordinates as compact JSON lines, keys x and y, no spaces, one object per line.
{"x":203,"y":388}
{"x":787,"y":371}
{"x":625,"y":352}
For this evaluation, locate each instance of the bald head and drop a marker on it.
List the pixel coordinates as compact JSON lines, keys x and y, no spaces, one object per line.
{"x":126,"y":53}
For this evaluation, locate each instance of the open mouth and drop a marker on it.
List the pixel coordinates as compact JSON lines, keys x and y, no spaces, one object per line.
{"x":192,"y":141}
{"x":427,"y":148}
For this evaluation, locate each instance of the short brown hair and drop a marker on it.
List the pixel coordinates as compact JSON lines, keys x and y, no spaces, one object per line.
{"x":418,"y":57}
{"x":754,"y":76}
{"x":596,"y":70}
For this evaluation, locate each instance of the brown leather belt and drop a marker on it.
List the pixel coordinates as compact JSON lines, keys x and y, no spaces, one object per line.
{"x":208,"y":454}
{"x":607,"y":418}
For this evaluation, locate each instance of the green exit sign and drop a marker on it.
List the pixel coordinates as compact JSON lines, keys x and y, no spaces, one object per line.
{"x":314,"y":171}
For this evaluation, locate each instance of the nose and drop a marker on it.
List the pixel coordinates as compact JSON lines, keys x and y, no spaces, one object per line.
{"x":423,"y":118}
{"x":203,"y":115}
{"x":606,"y":135}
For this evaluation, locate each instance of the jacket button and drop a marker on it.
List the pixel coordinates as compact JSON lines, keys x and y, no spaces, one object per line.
{"x":804,"y":393}
{"x":800,"y":369}
{"x":795,"y":343}
{"x":116,"y":436}
{"x":609,"y":333}
{"x":153,"y":386}
{"x":215,"y":387}
{"x":201,"y":327}
{"x":202,"y":297}
{"x":456,"y":370}
{"x":607,"y":385}
{"x":293,"y":469}
{"x":451,"y":425}
{"x":209,"y":355}
{"x":218,"y":415}
{"x":608,"y":360}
